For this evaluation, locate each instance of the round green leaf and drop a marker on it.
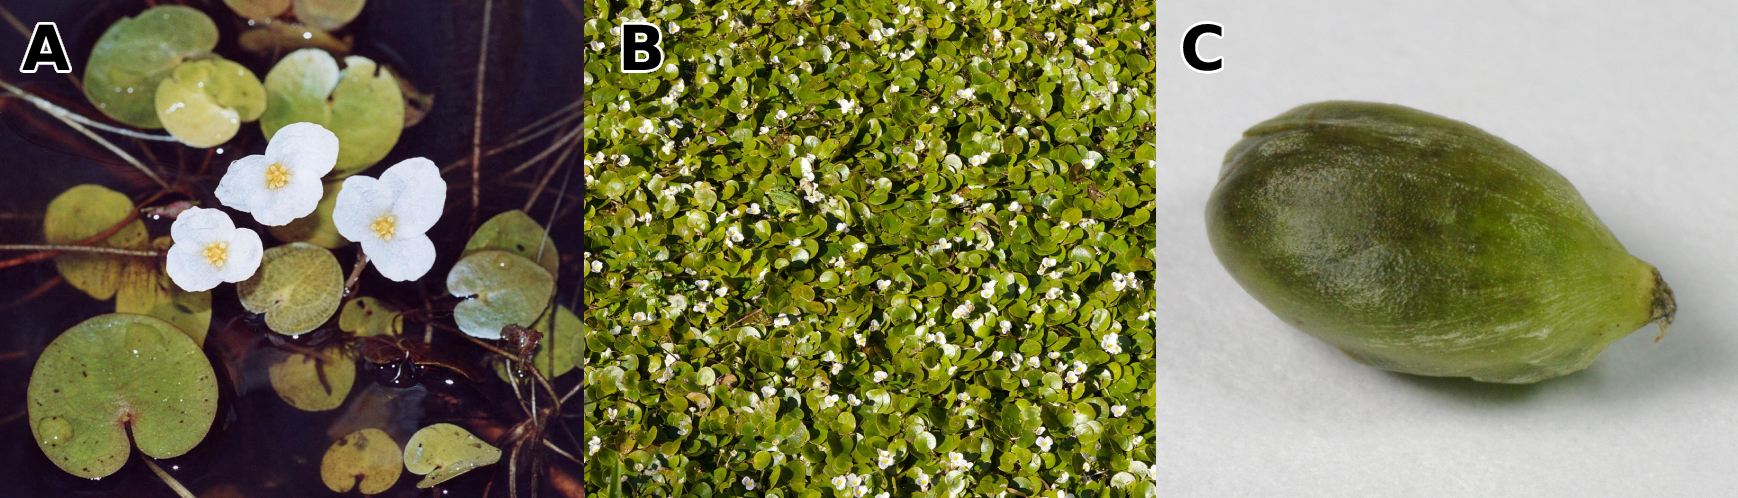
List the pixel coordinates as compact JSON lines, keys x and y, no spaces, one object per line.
{"x":515,"y":232}
{"x":297,"y":287}
{"x":203,"y":103}
{"x":367,"y":460}
{"x":314,"y":383}
{"x":444,"y":451}
{"x":135,"y":54}
{"x":503,"y":288}
{"x":362,"y":105}
{"x":113,"y":373}
{"x":83,"y":212}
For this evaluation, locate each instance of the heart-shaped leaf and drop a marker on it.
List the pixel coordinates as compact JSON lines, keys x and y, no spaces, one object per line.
{"x":314,"y":383}
{"x":504,"y":288}
{"x":135,"y":54}
{"x":203,"y":103}
{"x":367,"y":460}
{"x":117,"y":372}
{"x":515,"y":232}
{"x":362,"y":105}
{"x":443,"y":451}
{"x":83,"y":212}
{"x":298,"y":286}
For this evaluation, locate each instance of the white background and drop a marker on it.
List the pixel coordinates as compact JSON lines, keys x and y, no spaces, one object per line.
{"x":1637,"y":104}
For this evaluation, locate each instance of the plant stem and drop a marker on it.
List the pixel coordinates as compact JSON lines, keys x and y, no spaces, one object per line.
{"x":64,"y":116}
{"x":355,"y":273}
{"x":477,"y":127}
{"x":74,"y":248}
{"x":173,"y":484}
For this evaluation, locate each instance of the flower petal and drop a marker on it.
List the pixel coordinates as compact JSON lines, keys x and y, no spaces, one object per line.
{"x":307,"y":149}
{"x":244,"y":183}
{"x":245,"y":252}
{"x":187,"y":266}
{"x":196,"y":226}
{"x":402,"y":259}
{"x":360,"y":200}
{"x":421,"y":194}
{"x":294,"y":200}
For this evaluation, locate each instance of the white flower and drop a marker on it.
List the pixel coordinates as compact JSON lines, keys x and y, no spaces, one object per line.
{"x":835,"y":368}
{"x":748,"y":483}
{"x":880,"y":376}
{"x":767,"y":391}
{"x":965,"y":397}
{"x":841,"y":228}
{"x":1137,"y":440}
{"x":284,"y":183}
{"x":722,"y":290}
{"x":893,"y":89}
{"x":390,"y":215}
{"x":1118,"y":410}
{"x":847,"y":105}
{"x":703,"y":284}
{"x":839,"y":482}
{"x":1044,"y":443}
{"x":830,"y":356}
{"x":922,"y":479}
{"x":781,"y":321}
{"x":852,"y":400}
{"x":883,"y":284}
{"x":1055,"y":354}
{"x":829,"y":401}
{"x":1062,"y":479}
{"x":1038,"y":431}
{"x":966,"y":93}
{"x":1071,"y":378}
{"x":1053,"y":293}
{"x":1110,"y":344}
{"x":996,"y":356}
{"x":1033,"y":362}
{"x":1006,"y":326}
{"x":209,"y":249}
{"x":594,"y":445}
{"x":859,"y":247}
{"x":754,"y":208}
{"x":884,"y":459}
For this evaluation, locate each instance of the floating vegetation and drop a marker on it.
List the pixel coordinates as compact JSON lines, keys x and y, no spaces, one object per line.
{"x":113,"y":375}
{"x":443,"y":451}
{"x":367,"y":460}
{"x":361,"y":104}
{"x":297,"y":288}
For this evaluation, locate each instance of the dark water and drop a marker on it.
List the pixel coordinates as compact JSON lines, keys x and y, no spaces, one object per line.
{"x":260,"y":446}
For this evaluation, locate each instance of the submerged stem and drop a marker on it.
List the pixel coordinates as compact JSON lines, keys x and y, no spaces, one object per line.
{"x":64,"y":116}
{"x":74,"y":248}
{"x":173,"y":484}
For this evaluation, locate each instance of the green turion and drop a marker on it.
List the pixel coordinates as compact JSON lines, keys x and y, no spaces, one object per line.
{"x":1420,"y":244}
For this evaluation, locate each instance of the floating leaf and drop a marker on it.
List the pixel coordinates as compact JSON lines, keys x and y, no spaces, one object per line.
{"x":316,"y":228}
{"x":83,"y":212}
{"x":113,"y":373}
{"x":507,"y":289}
{"x":146,"y":290}
{"x":297,"y":287}
{"x":558,"y":349}
{"x":328,"y":15}
{"x":444,"y":451}
{"x":313,"y":383}
{"x":515,"y":232}
{"x":367,"y":460}
{"x":366,"y":316}
{"x":135,"y":54}
{"x":204,"y":102}
{"x":362,"y":105}
{"x":258,"y":9}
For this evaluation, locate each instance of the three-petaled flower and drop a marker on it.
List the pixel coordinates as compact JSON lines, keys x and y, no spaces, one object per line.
{"x":284,"y":183}
{"x":209,"y":249}
{"x":390,"y":215}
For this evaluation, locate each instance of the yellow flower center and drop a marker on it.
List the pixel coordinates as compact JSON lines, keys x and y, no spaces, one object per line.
{"x":385,"y":226}
{"x":277,"y":176}
{"x":217,"y":253}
